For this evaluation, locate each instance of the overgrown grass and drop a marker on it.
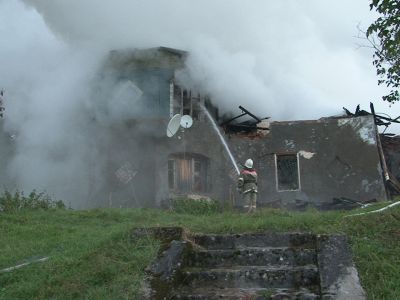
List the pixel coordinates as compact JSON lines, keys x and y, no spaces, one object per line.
{"x":198,"y":207}
{"x":92,"y":256}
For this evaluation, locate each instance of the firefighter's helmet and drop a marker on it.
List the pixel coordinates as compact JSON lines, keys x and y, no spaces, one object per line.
{"x":249,"y":163}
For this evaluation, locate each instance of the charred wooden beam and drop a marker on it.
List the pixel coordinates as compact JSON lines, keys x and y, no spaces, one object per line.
{"x":246,"y":127}
{"x":234,"y":118}
{"x":249,"y":113}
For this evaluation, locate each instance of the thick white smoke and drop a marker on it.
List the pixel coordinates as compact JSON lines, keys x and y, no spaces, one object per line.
{"x":302,"y":56}
{"x":285,"y":59}
{"x":47,"y":83}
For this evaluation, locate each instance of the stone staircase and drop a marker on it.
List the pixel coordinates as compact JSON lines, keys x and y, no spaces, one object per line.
{"x":254,"y":266}
{"x":250,"y":266}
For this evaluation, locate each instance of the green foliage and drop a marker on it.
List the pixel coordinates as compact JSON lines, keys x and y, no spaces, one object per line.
{"x":267,"y":294}
{"x":11,"y":203}
{"x":198,"y":207}
{"x":91,"y":255}
{"x":384,"y":35}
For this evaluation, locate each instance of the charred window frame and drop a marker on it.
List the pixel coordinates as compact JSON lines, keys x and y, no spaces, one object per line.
{"x":183,"y":102}
{"x":176,"y":95}
{"x":186,"y":103}
{"x":188,"y":173}
{"x":287,"y":172}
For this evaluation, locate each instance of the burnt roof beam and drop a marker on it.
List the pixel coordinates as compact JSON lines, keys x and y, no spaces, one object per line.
{"x":230,"y":120}
{"x":247,"y":127}
{"x":249,"y":113}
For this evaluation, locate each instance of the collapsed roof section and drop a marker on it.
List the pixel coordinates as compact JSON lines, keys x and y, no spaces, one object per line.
{"x":254,"y":125}
{"x":380,"y":119}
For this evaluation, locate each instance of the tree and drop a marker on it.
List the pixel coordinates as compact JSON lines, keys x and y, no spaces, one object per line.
{"x":384,"y":36}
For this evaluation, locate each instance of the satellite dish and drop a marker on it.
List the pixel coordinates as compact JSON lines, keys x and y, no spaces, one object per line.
{"x":173,"y":125}
{"x":186,"y":121}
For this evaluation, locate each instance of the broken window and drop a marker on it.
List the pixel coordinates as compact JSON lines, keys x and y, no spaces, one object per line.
{"x":186,"y":103}
{"x":187,"y":173}
{"x":287,"y":170}
{"x":182,"y":102}
{"x":176,"y":99}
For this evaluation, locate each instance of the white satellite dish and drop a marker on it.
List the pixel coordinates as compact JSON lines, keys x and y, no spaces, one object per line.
{"x":173,"y":125}
{"x":186,"y":121}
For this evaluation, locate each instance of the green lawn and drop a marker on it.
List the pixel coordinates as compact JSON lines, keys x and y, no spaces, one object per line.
{"x":91,"y":255}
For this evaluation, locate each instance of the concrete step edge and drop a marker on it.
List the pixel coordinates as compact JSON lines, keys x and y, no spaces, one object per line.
{"x":251,"y":268}
{"x":256,"y":249}
{"x":221,"y":293}
{"x":229,"y":241}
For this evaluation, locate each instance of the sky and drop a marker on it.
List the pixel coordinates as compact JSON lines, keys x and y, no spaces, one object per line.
{"x":286,"y":59}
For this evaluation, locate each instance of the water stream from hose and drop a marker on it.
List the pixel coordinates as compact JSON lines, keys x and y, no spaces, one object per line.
{"x":224,"y":143}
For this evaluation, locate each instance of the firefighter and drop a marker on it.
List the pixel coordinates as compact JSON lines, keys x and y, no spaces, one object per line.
{"x":247,"y":185}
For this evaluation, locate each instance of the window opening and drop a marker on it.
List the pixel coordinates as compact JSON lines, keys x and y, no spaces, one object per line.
{"x":287,"y":169}
{"x":177,"y":100}
{"x":186,"y":103}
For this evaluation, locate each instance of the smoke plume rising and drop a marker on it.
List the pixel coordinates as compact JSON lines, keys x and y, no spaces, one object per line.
{"x":287,"y":60}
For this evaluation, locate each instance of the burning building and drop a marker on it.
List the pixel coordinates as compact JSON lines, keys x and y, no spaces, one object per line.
{"x":326,"y":163}
{"x":145,"y":166}
{"x":331,"y":162}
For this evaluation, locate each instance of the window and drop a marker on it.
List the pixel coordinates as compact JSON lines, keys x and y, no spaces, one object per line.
{"x":183,"y":102}
{"x":187,"y":173}
{"x":186,"y":103}
{"x":287,"y":172}
{"x":176,"y":99}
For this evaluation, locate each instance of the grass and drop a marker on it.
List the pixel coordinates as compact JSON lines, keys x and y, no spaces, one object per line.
{"x":91,"y":255}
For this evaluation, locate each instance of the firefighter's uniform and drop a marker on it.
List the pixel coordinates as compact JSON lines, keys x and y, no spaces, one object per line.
{"x":247,"y":184}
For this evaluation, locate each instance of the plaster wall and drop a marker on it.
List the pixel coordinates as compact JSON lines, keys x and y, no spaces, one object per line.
{"x":143,"y":149}
{"x":337,"y":158}
{"x":199,"y":139}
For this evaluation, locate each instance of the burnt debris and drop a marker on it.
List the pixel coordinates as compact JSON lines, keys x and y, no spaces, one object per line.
{"x":380,"y":119}
{"x":248,"y":126}
{"x":387,"y":147}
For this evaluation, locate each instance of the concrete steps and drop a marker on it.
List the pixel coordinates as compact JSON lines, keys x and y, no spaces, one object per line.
{"x":253,"y":256}
{"x":250,"y":266}
{"x":236,"y":241}
{"x":252,"y":277}
{"x":240,"y":293}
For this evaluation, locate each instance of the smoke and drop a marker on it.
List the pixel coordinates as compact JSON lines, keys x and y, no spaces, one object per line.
{"x":47,"y":85}
{"x":286,"y":59}
{"x":260,"y":54}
